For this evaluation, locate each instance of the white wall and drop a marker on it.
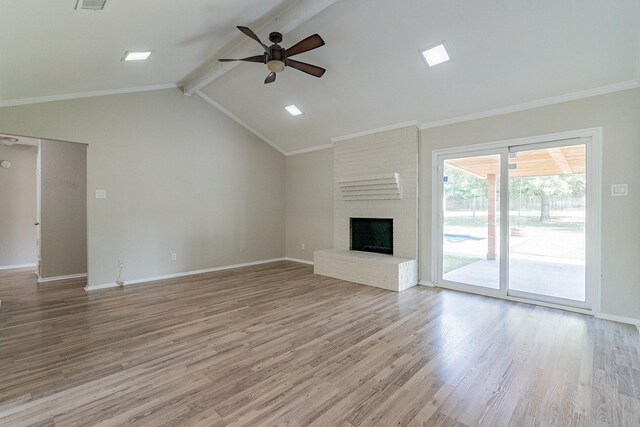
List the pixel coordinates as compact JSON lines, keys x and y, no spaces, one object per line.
{"x":619,"y":116}
{"x":18,"y":206}
{"x":394,"y":151}
{"x":180,"y":177}
{"x":309,"y":203}
{"x":63,"y":209}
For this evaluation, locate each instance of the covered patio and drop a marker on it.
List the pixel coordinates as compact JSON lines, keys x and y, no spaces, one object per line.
{"x":545,"y":257}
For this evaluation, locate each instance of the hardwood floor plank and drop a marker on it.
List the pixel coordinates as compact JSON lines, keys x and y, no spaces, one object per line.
{"x":275,"y":344}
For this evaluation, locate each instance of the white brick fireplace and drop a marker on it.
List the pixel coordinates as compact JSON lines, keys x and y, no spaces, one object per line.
{"x":375,"y":176}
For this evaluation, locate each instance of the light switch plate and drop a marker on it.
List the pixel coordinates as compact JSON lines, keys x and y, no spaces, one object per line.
{"x":101,"y":194}
{"x":619,"y":190}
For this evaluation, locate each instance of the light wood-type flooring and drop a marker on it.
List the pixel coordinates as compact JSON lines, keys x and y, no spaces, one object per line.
{"x":276,"y":345}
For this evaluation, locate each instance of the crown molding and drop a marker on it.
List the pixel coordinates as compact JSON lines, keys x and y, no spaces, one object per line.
{"x":617,"y":87}
{"x":374,"y":131}
{"x":91,"y":94}
{"x":309,"y":150}
{"x":239,"y":121}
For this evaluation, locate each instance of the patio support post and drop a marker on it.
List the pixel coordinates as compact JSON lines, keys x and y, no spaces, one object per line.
{"x":491,"y":216}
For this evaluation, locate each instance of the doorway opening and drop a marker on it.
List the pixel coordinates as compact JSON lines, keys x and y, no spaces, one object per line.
{"x":47,"y":207}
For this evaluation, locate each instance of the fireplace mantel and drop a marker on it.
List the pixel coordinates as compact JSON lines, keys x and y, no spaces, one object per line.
{"x":371,"y":187}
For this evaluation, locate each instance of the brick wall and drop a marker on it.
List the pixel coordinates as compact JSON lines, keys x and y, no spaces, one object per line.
{"x":385,"y":152}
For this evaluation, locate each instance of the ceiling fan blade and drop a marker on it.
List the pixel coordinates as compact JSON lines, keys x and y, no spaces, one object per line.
{"x":310,"y":43}
{"x":306,"y":68}
{"x":251,"y":34}
{"x":257,"y":58}
{"x":270,"y":78}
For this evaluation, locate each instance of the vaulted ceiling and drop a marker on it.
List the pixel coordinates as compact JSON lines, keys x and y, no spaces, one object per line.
{"x":504,"y":53}
{"x":50,"y":48}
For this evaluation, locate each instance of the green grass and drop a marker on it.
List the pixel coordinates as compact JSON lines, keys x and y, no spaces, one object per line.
{"x":454,"y":262}
{"x":526,"y":221}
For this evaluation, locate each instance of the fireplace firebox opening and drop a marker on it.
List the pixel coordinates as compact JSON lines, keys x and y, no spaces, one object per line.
{"x":372,"y":235}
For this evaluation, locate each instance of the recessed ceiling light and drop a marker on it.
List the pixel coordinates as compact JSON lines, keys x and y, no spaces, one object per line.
{"x":136,"y":56}
{"x":293,"y":110}
{"x":436,"y":55}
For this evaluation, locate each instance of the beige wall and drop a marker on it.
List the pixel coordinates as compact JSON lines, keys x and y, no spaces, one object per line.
{"x":18,"y":206}
{"x":63,"y":209}
{"x":309,"y":203}
{"x":180,"y":177}
{"x":619,"y":116}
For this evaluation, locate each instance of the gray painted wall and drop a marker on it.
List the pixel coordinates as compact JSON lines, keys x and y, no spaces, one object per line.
{"x":180,"y":177}
{"x":18,"y":206}
{"x":63,"y":209}
{"x":309,"y":203}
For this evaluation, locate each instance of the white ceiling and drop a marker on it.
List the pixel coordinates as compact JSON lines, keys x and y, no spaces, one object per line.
{"x":49,"y":48}
{"x":503,"y":53}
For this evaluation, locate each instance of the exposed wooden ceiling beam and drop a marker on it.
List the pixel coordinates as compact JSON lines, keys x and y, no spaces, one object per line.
{"x":290,"y":19}
{"x":558,"y":156}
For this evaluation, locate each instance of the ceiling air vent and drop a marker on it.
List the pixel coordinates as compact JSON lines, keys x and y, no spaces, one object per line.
{"x":91,"y":4}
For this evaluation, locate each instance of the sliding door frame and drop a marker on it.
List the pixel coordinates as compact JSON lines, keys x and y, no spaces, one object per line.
{"x":439,"y":196}
{"x":592,"y":138}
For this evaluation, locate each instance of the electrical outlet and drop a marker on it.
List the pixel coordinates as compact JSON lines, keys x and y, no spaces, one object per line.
{"x":302,"y":246}
{"x":120,"y":263}
{"x":174,"y":257}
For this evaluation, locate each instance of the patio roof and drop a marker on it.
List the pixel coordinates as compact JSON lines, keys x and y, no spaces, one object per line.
{"x":551,"y":161}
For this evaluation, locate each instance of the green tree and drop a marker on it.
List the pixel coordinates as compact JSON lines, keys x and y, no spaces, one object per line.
{"x":546,"y":186}
{"x":464,"y":186}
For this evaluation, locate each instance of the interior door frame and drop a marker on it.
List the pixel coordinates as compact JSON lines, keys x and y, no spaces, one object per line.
{"x":38,"y":208}
{"x":592,"y":138}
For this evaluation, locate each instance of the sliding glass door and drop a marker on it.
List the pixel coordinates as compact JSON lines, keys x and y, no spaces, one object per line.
{"x":471,"y":220}
{"x":512,"y":221}
{"x":547,"y":221}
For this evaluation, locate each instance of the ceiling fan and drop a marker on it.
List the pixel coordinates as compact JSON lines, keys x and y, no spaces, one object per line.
{"x":277,"y":58}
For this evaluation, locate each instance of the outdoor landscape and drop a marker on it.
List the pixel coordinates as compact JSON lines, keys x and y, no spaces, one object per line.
{"x":546,"y":227}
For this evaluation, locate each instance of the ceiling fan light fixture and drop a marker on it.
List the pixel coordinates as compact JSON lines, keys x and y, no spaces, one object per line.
{"x":277,"y":58}
{"x":275,"y":66}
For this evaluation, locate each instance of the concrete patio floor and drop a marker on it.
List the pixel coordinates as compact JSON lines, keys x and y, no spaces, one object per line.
{"x":557,"y":279}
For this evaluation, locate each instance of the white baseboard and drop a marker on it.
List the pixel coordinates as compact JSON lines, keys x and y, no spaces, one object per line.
{"x":57,"y":278}
{"x":185,"y":273}
{"x":11,"y":267}
{"x":620,"y":319}
{"x":426,"y":283}
{"x":301,"y":261}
